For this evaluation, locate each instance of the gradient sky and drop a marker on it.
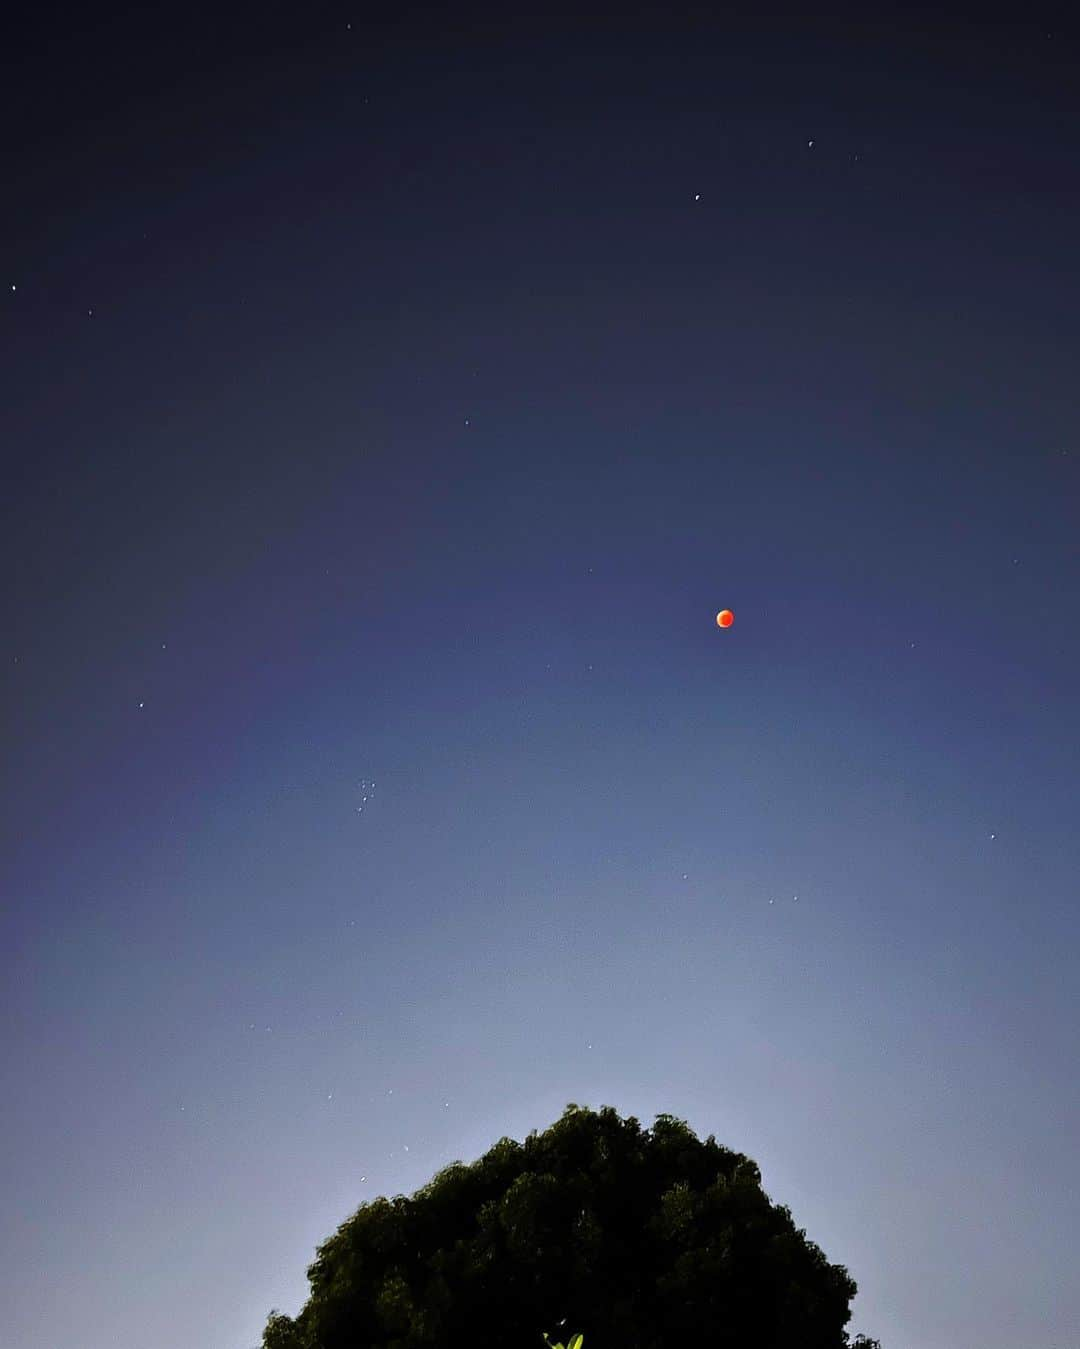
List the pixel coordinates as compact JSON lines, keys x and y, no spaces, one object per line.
{"x":387,"y":411}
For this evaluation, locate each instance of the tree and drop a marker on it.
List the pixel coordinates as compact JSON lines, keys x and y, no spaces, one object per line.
{"x":639,"y":1239}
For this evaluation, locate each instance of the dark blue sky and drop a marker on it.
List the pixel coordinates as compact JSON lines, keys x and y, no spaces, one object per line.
{"x":387,"y":411}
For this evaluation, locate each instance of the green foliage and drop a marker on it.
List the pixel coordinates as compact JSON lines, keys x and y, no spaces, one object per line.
{"x":645,"y":1238}
{"x":282,"y":1332}
{"x":575,"y":1343}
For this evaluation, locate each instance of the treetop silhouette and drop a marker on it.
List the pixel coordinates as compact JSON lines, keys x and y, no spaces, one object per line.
{"x":636,"y":1238}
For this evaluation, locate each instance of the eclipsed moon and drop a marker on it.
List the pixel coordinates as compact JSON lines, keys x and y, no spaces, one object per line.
{"x":725,"y":618}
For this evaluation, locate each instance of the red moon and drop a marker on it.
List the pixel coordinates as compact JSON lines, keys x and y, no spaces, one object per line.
{"x":725,"y":618}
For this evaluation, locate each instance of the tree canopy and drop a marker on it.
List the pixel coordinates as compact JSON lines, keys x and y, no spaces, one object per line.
{"x":635,"y":1238}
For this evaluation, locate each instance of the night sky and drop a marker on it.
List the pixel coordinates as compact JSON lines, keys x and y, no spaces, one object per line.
{"x":387,"y":411}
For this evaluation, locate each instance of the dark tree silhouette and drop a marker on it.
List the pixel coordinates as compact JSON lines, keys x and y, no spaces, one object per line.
{"x":638,"y":1239}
